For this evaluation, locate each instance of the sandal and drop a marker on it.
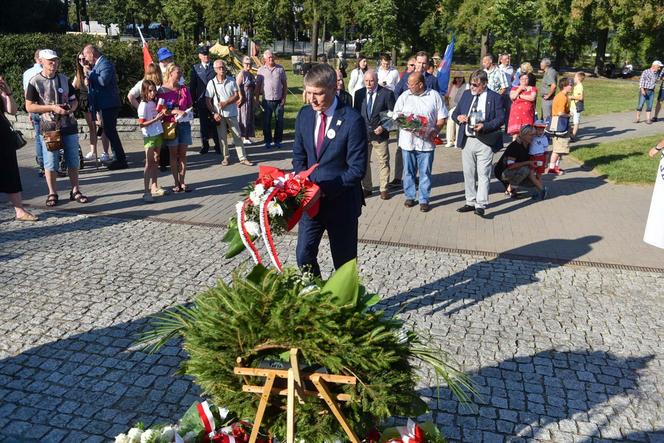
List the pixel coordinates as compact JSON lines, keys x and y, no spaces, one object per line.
{"x":225,"y":162}
{"x":52,"y":200}
{"x":185,"y":188}
{"x":78,"y":196}
{"x":246,"y":162}
{"x":27,"y":217}
{"x":177,"y":189}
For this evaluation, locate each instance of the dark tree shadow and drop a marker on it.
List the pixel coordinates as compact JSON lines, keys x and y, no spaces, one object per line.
{"x":520,"y":397}
{"x":591,"y":132}
{"x":474,"y":284}
{"x":91,"y":384}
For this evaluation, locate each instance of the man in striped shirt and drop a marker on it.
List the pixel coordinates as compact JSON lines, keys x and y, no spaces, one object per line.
{"x":647,"y":90}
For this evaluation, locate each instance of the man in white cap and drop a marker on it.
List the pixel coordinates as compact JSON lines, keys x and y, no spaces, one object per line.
{"x":34,"y":118}
{"x":647,"y":90}
{"x":52,"y":96}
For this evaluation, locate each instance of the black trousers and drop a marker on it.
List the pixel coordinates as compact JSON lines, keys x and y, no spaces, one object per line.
{"x":208,"y":128}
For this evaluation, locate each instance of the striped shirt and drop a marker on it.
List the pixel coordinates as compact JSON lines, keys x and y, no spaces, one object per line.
{"x":648,"y":79}
{"x":497,"y":80}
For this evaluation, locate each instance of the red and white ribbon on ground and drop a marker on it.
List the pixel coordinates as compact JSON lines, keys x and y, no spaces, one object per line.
{"x":242,"y":228}
{"x":207,"y":418}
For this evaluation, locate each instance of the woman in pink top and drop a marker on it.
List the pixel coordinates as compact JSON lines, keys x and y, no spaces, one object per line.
{"x":176,"y":100}
{"x":523,"y":99}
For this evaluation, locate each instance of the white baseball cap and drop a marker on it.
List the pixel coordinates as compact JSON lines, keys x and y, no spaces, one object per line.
{"x":658,"y":63}
{"x":48,"y":54}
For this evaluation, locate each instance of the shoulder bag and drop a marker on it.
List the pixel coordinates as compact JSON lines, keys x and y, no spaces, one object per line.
{"x":17,"y":136}
{"x":53,"y":138}
{"x":170,"y":128}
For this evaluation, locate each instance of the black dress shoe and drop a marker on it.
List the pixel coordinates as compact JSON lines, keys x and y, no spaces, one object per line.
{"x":480,"y":212}
{"x":204,"y":150}
{"x":367,"y":193}
{"x":410,"y":203}
{"x":466,"y":208}
{"x":116,"y":165}
{"x":424,"y":207}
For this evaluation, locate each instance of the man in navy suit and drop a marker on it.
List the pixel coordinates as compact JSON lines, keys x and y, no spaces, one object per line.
{"x":104,"y":97}
{"x":201,"y":74}
{"x":480,"y":114}
{"x":370,"y":101}
{"x":335,"y":137}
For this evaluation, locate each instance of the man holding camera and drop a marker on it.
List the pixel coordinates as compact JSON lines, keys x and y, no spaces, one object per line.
{"x":480,"y":114}
{"x":52,"y":96}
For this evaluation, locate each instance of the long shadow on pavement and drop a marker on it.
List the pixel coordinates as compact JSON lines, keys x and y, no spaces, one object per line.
{"x":553,"y":395}
{"x":477,"y":282}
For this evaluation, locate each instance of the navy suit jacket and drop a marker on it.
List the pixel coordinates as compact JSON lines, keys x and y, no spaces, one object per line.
{"x":342,"y":161}
{"x":383,"y":102}
{"x":198,"y":80}
{"x":103,"y":92}
{"x":494,"y":118}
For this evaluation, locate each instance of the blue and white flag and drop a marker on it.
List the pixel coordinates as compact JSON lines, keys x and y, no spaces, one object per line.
{"x":445,"y":67}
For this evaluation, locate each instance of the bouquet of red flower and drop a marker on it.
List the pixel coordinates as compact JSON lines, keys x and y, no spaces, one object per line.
{"x":417,"y":124}
{"x":274,"y":204}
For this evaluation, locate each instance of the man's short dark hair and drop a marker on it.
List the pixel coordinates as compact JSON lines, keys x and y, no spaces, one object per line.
{"x":422,"y":54}
{"x":563,"y":83}
{"x":385,"y":56}
{"x":480,"y":76}
{"x":321,"y":75}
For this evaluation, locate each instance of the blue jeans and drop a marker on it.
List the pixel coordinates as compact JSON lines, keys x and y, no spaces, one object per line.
{"x":70,"y":148}
{"x":36,"y":124}
{"x":648,"y":98}
{"x":417,"y":162}
{"x":270,"y":107}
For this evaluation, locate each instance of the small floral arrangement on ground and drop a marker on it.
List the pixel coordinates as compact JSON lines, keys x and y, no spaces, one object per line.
{"x":419,"y":125}
{"x":259,"y":316}
{"x":273,"y":204}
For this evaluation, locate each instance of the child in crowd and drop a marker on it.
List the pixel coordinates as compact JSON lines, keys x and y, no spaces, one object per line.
{"x":539,"y":147}
{"x":577,"y":105}
{"x":149,"y":119}
{"x":560,"y":140}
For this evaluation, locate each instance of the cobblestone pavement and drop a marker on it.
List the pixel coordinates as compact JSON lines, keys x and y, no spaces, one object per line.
{"x":558,"y":353}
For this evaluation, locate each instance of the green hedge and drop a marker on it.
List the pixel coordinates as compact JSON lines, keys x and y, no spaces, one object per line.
{"x":17,"y":51}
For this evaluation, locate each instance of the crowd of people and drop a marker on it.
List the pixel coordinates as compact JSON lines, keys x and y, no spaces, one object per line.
{"x":473,"y":113}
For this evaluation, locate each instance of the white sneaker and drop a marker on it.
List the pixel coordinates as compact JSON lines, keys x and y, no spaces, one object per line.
{"x":104,"y":157}
{"x":148,"y":198}
{"x":89,"y":156}
{"x":246,"y":141}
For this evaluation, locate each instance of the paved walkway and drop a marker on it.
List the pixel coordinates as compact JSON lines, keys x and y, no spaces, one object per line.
{"x":558,"y":353}
{"x":585,"y":218}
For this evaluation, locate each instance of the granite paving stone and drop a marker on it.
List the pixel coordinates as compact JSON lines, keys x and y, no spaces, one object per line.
{"x":558,"y":353}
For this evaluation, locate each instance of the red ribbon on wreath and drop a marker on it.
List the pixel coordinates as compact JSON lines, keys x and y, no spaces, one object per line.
{"x":412,"y":433}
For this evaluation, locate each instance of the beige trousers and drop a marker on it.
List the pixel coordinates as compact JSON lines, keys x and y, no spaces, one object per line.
{"x":383,"y":160}
{"x":222,"y":130}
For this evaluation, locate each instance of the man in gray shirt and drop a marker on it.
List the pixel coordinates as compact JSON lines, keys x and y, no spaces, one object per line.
{"x":271,"y":84}
{"x":548,"y":90}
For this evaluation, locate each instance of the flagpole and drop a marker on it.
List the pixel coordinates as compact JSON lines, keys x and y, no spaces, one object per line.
{"x":141,"y":34}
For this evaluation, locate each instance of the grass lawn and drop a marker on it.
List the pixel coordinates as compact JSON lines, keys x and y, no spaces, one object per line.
{"x":624,"y":161}
{"x":603,"y":96}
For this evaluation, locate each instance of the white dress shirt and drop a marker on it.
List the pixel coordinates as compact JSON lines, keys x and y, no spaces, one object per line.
{"x":481,"y":109}
{"x":428,"y":104}
{"x":329,"y":112}
{"x":388,"y":79}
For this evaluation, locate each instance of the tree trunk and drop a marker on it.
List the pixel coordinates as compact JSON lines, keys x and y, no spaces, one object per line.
{"x":314,"y":38}
{"x":602,"y":40}
{"x":484,"y":45}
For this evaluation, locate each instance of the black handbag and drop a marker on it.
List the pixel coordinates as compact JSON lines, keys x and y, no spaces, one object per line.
{"x":18,"y":138}
{"x":579,"y":106}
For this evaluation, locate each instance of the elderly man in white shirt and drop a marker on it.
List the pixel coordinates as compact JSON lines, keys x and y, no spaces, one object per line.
{"x":221,"y":97}
{"x":388,"y":75}
{"x":418,"y":149}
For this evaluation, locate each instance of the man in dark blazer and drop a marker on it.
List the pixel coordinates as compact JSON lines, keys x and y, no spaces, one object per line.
{"x":480,"y":115}
{"x":370,"y":101}
{"x":104,"y":97}
{"x":201,"y":74}
{"x":333,"y":136}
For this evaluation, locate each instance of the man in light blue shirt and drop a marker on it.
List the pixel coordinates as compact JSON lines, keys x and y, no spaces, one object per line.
{"x":27,"y":76}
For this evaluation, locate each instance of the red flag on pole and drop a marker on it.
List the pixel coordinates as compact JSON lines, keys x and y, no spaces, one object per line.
{"x":147,"y":57}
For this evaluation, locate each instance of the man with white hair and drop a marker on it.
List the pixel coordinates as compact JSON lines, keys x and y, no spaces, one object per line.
{"x":647,"y":85}
{"x":272,"y":85}
{"x":548,"y":89}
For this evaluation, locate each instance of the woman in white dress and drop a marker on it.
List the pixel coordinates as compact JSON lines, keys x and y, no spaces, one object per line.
{"x":357,"y":76}
{"x":654,"y":234}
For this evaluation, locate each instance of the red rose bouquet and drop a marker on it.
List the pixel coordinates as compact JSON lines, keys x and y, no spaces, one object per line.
{"x":417,"y":124}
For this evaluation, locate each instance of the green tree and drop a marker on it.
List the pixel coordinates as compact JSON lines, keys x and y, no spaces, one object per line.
{"x":183,"y":16}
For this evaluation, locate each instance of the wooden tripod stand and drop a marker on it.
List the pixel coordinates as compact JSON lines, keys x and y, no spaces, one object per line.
{"x":295,"y":389}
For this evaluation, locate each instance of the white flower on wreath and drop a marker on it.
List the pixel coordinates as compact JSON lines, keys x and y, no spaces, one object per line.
{"x":134,"y":435}
{"x":148,"y":436}
{"x":252,"y":228}
{"x":167,"y":434}
{"x":274,"y":209}
{"x":256,"y":194}
{"x":122,"y":438}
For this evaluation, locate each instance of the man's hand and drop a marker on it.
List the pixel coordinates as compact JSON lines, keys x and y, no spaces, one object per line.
{"x":216,"y":117}
{"x":57,"y":109}
{"x":462,"y":118}
{"x":283,"y":101}
{"x":379,"y":130}
{"x":478,"y":127}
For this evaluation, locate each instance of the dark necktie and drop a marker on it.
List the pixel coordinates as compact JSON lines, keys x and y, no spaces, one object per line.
{"x":321,"y":133}
{"x":370,"y":104}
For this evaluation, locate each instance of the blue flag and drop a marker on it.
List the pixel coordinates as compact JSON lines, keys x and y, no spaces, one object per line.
{"x":445,"y":68}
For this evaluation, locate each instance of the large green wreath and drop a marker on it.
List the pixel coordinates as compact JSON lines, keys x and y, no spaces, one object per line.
{"x":261,"y":315}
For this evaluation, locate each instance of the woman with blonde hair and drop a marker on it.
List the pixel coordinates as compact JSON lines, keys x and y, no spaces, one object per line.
{"x":177,"y":102}
{"x":525,"y":68}
{"x":152,"y":73}
{"x":80,"y":82}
